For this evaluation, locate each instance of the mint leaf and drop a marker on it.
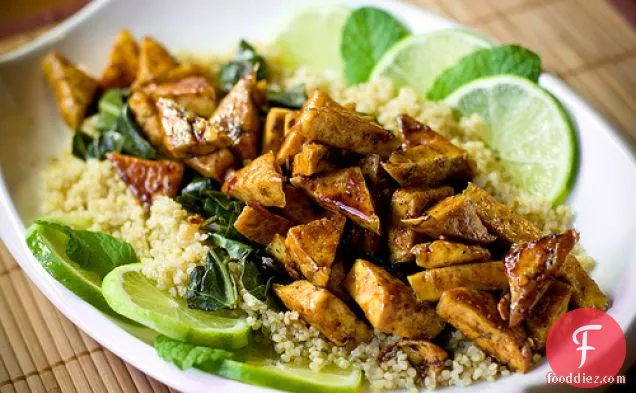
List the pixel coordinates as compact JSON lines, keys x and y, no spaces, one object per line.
{"x":506,"y":59}
{"x":98,"y":252}
{"x":187,"y":356}
{"x":368,"y":34}
{"x":95,"y":252}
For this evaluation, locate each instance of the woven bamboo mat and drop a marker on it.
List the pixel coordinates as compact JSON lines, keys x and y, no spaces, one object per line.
{"x":585,"y":42}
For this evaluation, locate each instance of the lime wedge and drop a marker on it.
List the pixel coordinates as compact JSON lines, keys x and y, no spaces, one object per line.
{"x":48,"y":246}
{"x":529,"y":130}
{"x":312,"y":36}
{"x":418,"y":60}
{"x":133,"y":295}
{"x":291,"y":378}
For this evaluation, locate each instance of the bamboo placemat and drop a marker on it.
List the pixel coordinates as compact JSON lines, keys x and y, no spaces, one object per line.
{"x":585,"y":42}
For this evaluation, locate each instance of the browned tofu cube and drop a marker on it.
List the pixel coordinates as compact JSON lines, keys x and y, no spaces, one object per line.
{"x":441,"y":253}
{"x":214,"y":165}
{"x":278,"y":250}
{"x":474,"y":314}
{"x":147,"y":116}
{"x":274,"y":132}
{"x":424,"y":355}
{"x":363,"y":240}
{"x":324,"y":311}
{"x":155,"y":62}
{"x":292,"y":145}
{"x":123,"y":62}
{"x":430,"y":165}
{"x":193,"y":93}
{"x":322,"y":119}
{"x":259,"y":182}
{"x":290,"y":120}
{"x":415,"y":133}
{"x":336,"y":280}
{"x":259,"y":225}
{"x":552,"y":305}
{"x":74,"y":89}
{"x":148,"y":179}
{"x":187,"y":134}
{"x":299,"y":207}
{"x":313,"y":247}
{"x":389,"y":304}
{"x":238,"y":116}
{"x":312,"y":159}
{"x":344,"y":191}
{"x":430,"y":284}
{"x":585,"y":291}
{"x":379,"y":182}
{"x":453,"y":217}
{"x":531,"y":267}
{"x":407,"y":203}
{"x":499,"y":218}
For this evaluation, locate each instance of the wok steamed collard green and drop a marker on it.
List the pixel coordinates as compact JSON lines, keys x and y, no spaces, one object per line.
{"x":118,"y":131}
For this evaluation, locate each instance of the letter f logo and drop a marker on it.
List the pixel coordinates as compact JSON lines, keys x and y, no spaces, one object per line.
{"x":583,"y":344}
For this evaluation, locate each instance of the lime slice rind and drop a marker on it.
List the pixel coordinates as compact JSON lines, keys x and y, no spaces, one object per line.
{"x":529,"y":130}
{"x":133,"y":295}
{"x":417,"y":60}
{"x":294,"y":379}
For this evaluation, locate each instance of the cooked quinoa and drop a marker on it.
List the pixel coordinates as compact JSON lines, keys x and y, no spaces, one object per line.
{"x":169,"y":245}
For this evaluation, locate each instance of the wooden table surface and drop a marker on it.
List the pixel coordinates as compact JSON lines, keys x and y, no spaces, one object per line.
{"x":585,"y":42}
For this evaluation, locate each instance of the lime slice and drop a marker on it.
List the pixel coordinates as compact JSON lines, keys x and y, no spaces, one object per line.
{"x":133,"y":295}
{"x":312,"y":36}
{"x":418,"y":60}
{"x":290,"y":378}
{"x":48,"y":246}
{"x":529,"y":130}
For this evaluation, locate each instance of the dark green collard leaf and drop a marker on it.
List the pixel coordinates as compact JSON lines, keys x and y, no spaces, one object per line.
{"x":243,"y":63}
{"x":237,"y":250}
{"x":94,"y":251}
{"x":134,"y":142}
{"x":118,"y":132}
{"x":187,"y":356}
{"x":202,"y":196}
{"x":294,"y":98}
{"x":367,"y":35}
{"x":505,"y":59}
{"x":81,"y":144}
{"x":254,"y":281}
{"x":107,"y":142}
{"x":109,"y":106}
{"x":212,"y":285}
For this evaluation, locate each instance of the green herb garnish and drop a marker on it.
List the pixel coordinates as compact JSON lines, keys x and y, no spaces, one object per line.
{"x":95,"y":252}
{"x":367,"y":35}
{"x":506,"y":59}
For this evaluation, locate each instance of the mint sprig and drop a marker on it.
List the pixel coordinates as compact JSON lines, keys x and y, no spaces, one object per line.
{"x":505,"y":59}
{"x":368,"y":34}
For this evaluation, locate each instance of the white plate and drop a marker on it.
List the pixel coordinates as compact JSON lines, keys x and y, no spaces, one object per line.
{"x":31,"y":132}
